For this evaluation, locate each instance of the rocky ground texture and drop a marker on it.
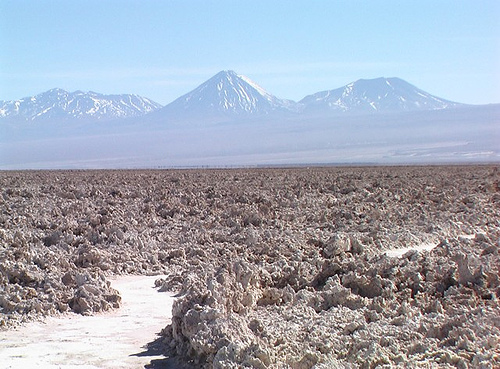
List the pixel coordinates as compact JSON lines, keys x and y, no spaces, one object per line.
{"x":275,"y":268}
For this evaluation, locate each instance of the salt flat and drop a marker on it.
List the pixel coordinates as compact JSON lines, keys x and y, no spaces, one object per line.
{"x":274,"y":266}
{"x":105,"y":340}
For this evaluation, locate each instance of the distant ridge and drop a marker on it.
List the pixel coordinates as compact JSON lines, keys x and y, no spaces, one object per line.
{"x":230,"y":95}
{"x":227,"y":94}
{"x":375,"y":95}
{"x":60,"y":105}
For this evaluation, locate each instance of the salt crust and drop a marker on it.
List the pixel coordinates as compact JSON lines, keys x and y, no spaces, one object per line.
{"x":281,"y":268}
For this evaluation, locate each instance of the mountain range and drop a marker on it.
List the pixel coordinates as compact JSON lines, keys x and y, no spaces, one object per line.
{"x":227,"y":95}
{"x":231,"y":120}
{"x":370,"y":95}
{"x":61,"y":105}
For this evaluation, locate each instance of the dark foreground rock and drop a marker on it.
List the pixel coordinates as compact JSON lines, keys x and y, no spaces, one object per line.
{"x":277,"y":268}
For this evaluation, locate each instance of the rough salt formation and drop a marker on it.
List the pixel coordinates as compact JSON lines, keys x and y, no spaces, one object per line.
{"x":277,"y":268}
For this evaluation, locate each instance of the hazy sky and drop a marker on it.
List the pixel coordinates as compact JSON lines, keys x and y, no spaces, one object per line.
{"x":163,"y":49}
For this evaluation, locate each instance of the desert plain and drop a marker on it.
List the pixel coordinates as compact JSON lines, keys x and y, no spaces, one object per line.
{"x":271,"y":267}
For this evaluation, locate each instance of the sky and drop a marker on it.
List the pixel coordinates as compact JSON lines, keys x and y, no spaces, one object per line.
{"x":162,"y":49}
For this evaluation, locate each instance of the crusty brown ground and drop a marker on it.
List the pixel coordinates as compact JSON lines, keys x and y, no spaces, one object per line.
{"x":277,"y":267}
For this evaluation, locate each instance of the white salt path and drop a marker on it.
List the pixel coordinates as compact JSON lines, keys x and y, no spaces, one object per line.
{"x":397,"y":253}
{"x":107,"y":340}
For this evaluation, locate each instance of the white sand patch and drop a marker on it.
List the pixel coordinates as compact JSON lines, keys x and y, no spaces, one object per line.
{"x":397,"y":253}
{"x":467,"y":236}
{"x":107,"y":340}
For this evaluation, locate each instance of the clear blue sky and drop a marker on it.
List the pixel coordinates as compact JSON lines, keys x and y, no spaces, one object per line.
{"x":163,"y":49}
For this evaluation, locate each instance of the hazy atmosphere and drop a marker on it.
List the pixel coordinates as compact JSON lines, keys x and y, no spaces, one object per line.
{"x":163,"y":49}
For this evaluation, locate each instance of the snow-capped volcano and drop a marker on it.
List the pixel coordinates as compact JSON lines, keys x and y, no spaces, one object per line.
{"x":227,"y":94}
{"x":58,"y":104}
{"x":371,"y":95}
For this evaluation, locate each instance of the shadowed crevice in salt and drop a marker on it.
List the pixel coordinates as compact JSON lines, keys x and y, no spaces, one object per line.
{"x":157,"y":348}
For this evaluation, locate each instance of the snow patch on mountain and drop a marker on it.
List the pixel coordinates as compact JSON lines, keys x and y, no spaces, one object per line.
{"x":227,"y":94}
{"x":375,"y":95}
{"x":58,"y":104}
